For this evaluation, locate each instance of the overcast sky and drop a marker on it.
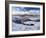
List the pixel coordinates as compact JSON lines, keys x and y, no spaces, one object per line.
{"x":25,"y":10}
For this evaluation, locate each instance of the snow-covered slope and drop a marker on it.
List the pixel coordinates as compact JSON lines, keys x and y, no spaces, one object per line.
{"x":19,"y":23}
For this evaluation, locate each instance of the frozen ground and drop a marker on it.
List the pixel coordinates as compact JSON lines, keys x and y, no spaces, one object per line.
{"x":25,"y":23}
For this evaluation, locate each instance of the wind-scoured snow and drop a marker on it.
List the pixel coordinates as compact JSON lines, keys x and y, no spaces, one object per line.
{"x":23,"y":25}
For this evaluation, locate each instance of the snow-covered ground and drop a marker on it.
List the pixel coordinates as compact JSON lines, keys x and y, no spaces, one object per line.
{"x":23,"y":26}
